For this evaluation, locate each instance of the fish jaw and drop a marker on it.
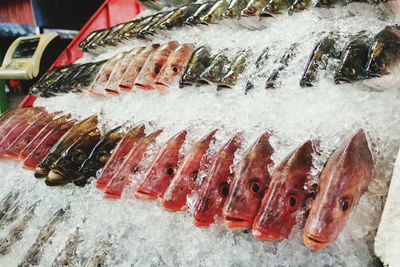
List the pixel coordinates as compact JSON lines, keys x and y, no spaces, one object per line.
{"x":269,"y":236}
{"x":315,"y":242}
{"x":174,"y":206}
{"x":237,"y":222}
{"x":202,"y":222}
{"x":55,"y":178}
{"x":144,"y":194}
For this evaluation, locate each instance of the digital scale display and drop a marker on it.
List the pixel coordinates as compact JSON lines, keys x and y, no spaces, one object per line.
{"x":26,"y":48}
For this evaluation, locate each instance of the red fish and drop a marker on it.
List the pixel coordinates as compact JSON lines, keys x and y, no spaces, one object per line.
{"x":344,"y":179}
{"x":161,"y":171}
{"x":249,"y":184}
{"x":135,"y":67}
{"x":215,"y":189}
{"x":19,"y":127}
{"x":130,"y":165}
{"x":9,"y":114}
{"x":175,"y":66}
{"x":12,"y":152}
{"x":119,"y":154}
{"x":286,"y":196}
{"x":184,"y":180}
{"x":153,"y":65}
{"x":42,"y":135}
{"x":45,"y":144}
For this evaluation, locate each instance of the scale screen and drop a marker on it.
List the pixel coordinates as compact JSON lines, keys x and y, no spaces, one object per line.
{"x":26,"y":48}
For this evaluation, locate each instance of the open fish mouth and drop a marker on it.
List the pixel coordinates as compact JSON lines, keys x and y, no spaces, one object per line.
{"x":11,"y":155}
{"x":161,"y":86}
{"x":203,"y":222}
{"x":144,"y":86}
{"x":111,"y":91}
{"x":259,"y":233}
{"x":145,"y":195}
{"x":125,"y":87}
{"x":315,"y":242}
{"x":237,"y":223}
{"x":55,"y":177}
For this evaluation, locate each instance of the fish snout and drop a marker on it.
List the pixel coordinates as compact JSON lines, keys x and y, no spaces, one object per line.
{"x":314,"y":242}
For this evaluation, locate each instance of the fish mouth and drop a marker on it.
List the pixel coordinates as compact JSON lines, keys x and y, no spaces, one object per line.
{"x":224,"y":86}
{"x":101,"y":185}
{"x":125,"y":87}
{"x":186,"y":83}
{"x":204,"y":81}
{"x":28,"y":165}
{"x":145,"y":195}
{"x":260,"y":233}
{"x":202,"y":222}
{"x":144,"y":86}
{"x":161,"y":86}
{"x":237,"y":223}
{"x":111,"y":91}
{"x":339,"y":78}
{"x":112,"y":195}
{"x":55,"y":177}
{"x":315,"y":242}
{"x":11,"y":155}
{"x":173,"y":206}
{"x":41,"y":172}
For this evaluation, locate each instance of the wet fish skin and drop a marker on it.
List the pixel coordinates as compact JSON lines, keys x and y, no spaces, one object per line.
{"x":344,"y":179}
{"x":42,"y":146}
{"x":326,"y":3}
{"x":136,"y":27}
{"x":149,"y":27}
{"x":153,"y":65}
{"x":259,"y":65}
{"x":96,"y":40}
{"x":135,"y":68}
{"x":7,"y":202}
{"x":254,"y":8}
{"x":275,"y":7}
{"x":383,"y":54}
{"x":200,"y":12}
{"x":214,"y":190}
{"x":200,"y":60}
{"x":34,"y":254}
{"x":152,"y":28}
{"x":272,"y":82}
{"x":174,"y":67}
{"x":162,"y":170}
{"x":234,"y":9}
{"x":64,"y":170}
{"x":179,"y":17}
{"x":286,"y":196}
{"x":250,"y":181}
{"x":75,"y":132}
{"x":214,"y":15}
{"x":324,"y":48}
{"x":98,"y":156}
{"x":16,"y":230}
{"x":119,"y":154}
{"x":11,"y":216}
{"x":353,"y":60}
{"x":298,"y":6}
{"x":68,"y":255}
{"x":218,"y":68}
{"x":99,"y":256}
{"x":153,"y":4}
{"x":238,"y":66}
{"x":185,"y":178}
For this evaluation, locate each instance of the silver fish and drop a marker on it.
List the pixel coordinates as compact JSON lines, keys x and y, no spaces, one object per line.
{"x":68,"y":255}
{"x":237,"y":68}
{"x":6,"y":204}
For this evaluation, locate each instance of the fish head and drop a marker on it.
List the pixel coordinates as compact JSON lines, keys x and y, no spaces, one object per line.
{"x":298,"y":6}
{"x":344,"y":179}
{"x":384,"y":52}
{"x":285,"y":196}
{"x":215,"y":189}
{"x":250,"y":182}
{"x":163,"y":169}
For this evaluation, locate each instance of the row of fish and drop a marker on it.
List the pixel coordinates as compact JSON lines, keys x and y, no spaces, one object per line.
{"x":18,"y":219}
{"x":199,"y":14}
{"x":244,"y":197}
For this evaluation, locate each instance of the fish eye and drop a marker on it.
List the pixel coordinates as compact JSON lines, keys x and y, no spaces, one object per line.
{"x":223,"y":189}
{"x":134,"y":169}
{"x":292,"y":201}
{"x":175,"y":69}
{"x":211,"y":74}
{"x":255,"y":186}
{"x":170,"y":171}
{"x":251,"y":10}
{"x":344,"y":203}
{"x":193,"y":176}
{"x":157,"y":69}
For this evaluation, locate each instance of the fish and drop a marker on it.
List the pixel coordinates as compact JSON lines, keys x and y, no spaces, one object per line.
{"x":97,"y":88}
{"x":273,"y":82}
{"x":15,"y":132}
{"x":214,"y":190}
{"x":6,"y":203}
{"x":326,"y":3}
{"x":10,"y":116}
{"x":234,"y":9}
{"x":34,"y":254}
{"x":16,"y":231}
{"x":216,"y":71}
{"x":120,"y":68}
{"x":136,"y":27}
{"x":174,"y":68}
{"x":199,"y":61}
{"x":119,"y":154}
{"x":96,"y":40}
{"x":98,"y":156}
{"x":323,"y":49}
{"x":214,"y":15}
{"x":88,"y":38}
{"x":153,"y":65}
{"x":148,"y":28}
{"x":64,"y":170}
{"x":162,"y":170}
{"x":135,"y":67}
{"x":41,"y":146}
{"x":261,"y":62}
{"x":238,"y":66}
{"x":99,"y":256}
{"x":74,"y":133}
{"x":14,"y":149}
{"x":353,"y":59}
{"x":286,"y":196}
{"x":119,"y":35}
{"x":383,"y":64}
{"x":50,"y":77}
{"x":155,"y":26}
{"x":186,"y":178}
{"x":111,"y":34}
{"x":200,"y":12}
{"x":344,"y":179}
{"x":254,"y":8}
{"x":298,"y":6}
{"x":153,"y":4}
{"x":129,"y":166}
{"x":250,"y":181}
{"x":275,"y":7}
{"x":180,"y":15}
{"x":68,"y":255}
{"x":12,"y":214}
